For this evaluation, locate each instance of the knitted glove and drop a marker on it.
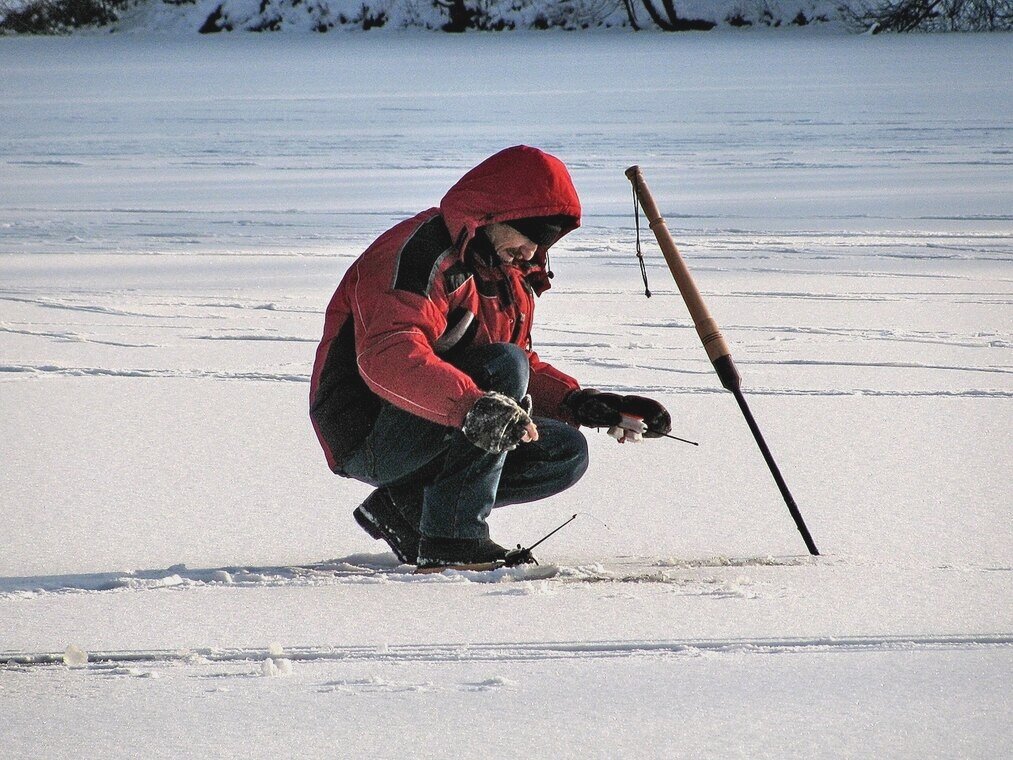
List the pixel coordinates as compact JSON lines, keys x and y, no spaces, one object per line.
{"x":497,"y":423}
{"x":593,"y":408}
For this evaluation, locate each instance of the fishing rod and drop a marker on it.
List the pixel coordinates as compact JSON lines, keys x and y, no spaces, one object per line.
{"x":713,"y":341}
{"x":523,"y":556}
{"x":684,"y":440}
{"x":632,"y":428}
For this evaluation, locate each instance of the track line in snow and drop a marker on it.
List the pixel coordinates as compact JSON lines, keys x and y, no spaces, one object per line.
{"x":999,"y":299}
{"x":621,"y":364}
{"x":182,"y":374}
{"x":73,"y":337}
{"x":880,"y":365}
{"x":258,"y":336}
{"x":527,"y":651}
{"x":761,"y":391}
{"x":50,"y":304}
{"x":977,"y":340}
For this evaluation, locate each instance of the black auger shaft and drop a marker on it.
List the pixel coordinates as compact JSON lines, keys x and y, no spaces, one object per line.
{"x":714,"y":343}
{"x":776,"y":472}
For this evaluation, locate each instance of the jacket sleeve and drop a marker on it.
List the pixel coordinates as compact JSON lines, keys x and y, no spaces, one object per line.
{"x":549,"y":387}
{"x":394,"y":335}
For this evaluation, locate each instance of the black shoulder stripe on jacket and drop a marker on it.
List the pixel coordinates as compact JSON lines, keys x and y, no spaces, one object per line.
{"x":420,"y":257}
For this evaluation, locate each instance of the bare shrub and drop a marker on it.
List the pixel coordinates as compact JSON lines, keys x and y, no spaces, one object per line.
{"x":934,"y":15}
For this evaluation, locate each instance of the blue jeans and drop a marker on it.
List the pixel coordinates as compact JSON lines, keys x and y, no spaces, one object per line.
{"x":463,"y":482}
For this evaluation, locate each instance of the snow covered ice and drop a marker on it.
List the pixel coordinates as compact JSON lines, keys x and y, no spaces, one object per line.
{"x":174,"y":215}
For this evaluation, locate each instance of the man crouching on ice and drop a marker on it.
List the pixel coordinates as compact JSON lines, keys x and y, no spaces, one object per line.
{"x":425,"y":385}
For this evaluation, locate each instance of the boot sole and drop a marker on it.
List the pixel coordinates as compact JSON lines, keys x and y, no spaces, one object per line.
{"x":475,"y":566}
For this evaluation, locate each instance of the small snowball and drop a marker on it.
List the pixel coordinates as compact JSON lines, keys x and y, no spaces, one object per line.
{"x":274,"y":649}
{"x":74,"y":656}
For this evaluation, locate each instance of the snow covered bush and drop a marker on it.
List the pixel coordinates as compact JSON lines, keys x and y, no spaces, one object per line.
{"x":442,"y":15}
{"x":499,"y":15}
{"x":57,"y":16}
{"x":496,"y":15}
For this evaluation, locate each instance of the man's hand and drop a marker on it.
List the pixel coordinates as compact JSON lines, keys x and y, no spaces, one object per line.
{"x":530,"y":433}
{"x":593,"y":408}
{"x":497,"y":423}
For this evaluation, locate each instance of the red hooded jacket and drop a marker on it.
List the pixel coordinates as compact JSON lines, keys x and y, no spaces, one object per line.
{"x":414,"y":298}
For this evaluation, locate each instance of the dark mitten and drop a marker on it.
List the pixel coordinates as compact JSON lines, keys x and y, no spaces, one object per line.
{"x":497,"y":423}
{"x":654,"y":415}
{"x":593,"y":408}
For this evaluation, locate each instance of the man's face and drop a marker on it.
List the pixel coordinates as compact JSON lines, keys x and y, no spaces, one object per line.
{"x":511,"y":246}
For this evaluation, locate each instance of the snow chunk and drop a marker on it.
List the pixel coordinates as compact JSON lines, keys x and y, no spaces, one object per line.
{"x":74,"y":656}
{"x":222,"y":576}
{"x":276,"y":667}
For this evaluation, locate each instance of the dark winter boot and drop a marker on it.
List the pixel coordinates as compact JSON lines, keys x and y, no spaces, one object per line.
{"x":436,"y":554}
{"x":393,"y":515}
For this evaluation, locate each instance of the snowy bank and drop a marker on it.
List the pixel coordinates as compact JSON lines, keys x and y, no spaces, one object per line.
{"x":211,"y":16}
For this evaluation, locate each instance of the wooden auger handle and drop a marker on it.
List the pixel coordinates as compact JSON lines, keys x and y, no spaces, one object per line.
{"x":706,"y":327}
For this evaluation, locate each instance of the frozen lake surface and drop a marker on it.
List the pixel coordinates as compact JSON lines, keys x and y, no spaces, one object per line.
{"x":174,"y":215}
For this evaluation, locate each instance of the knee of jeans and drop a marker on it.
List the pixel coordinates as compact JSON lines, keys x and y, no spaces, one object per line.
{"x":579,"y":456}
{"x":508,"y":370}
{"x":571,"y":455}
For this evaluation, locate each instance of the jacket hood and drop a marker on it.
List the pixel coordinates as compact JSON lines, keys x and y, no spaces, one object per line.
{"x":515,"y":183}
